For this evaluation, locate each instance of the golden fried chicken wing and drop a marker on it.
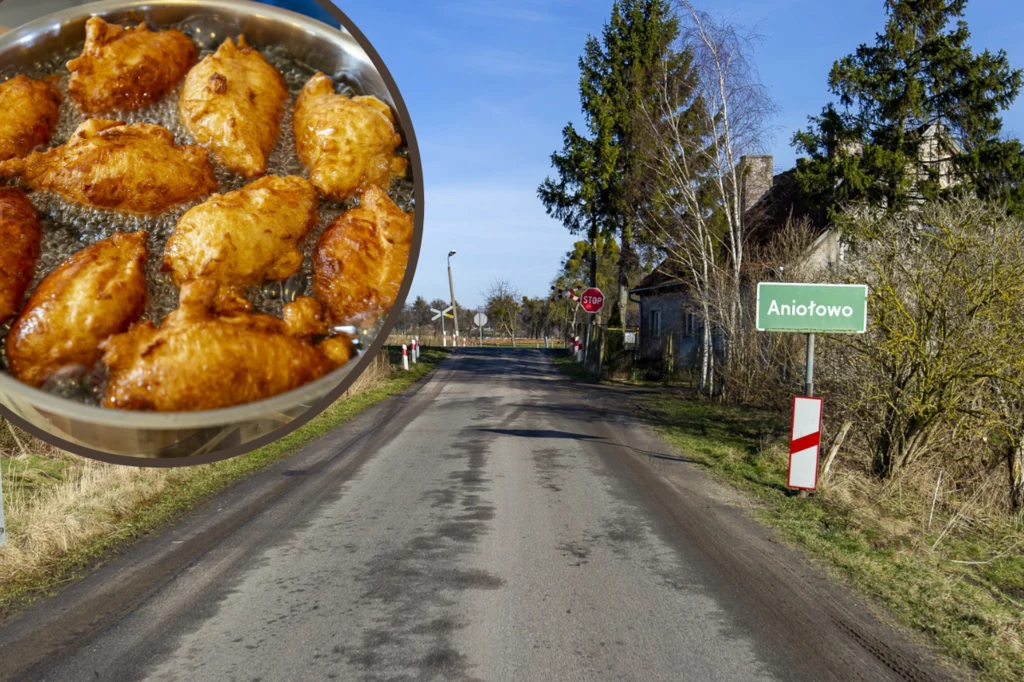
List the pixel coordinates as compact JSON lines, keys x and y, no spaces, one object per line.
{"x":243,"y":237}
{"x":232,"y":103}
{"x":20,"y":235}
{"x":133,"y":168}
{"x":123,"y":69}
{"x":31,"y":110}
{"x":304,"y":317}
{"x":348,"y":144}
{"x":208,"y":354}
{"x":338,"y":348}
{"x":360,"y":259}
{"x":95,"y":293}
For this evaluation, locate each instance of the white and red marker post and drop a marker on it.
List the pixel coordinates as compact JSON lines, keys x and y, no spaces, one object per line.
{"x":405,"y":357}
{"x":805,"y":443}
{"x":414,"y":351}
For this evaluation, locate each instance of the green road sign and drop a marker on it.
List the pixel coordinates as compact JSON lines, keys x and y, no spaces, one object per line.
{"x":826,"y":308}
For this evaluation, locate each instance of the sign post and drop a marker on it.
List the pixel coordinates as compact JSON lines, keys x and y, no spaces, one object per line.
{"x":442,"y":314}
{"x":592,"y":300}
{"x":480,"y":320}
{"x":810,"y":309}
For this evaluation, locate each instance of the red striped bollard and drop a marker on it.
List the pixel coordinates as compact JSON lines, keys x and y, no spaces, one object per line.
{"x":414,"y":352}
{"x":405,"y":357}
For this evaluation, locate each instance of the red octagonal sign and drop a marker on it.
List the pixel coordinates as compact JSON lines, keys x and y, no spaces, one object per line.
{"x":592,"y":300}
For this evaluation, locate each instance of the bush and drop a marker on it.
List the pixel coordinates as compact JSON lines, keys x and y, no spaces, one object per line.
{"x":939,"y":371}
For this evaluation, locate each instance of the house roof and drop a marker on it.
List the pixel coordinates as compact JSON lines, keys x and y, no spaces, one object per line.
{"x":765,"y":219}
{"x":779,"y":205}
{"x":662,"y":277}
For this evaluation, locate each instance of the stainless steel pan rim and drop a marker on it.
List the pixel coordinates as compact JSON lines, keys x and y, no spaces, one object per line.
{"x":19,"y":40}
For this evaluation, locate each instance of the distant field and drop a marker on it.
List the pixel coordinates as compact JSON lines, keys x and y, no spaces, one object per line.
{"x":474,"y":341}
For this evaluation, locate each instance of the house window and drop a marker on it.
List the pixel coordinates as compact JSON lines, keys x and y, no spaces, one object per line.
{"x":656,"y":324}
{"x":689,"y":324}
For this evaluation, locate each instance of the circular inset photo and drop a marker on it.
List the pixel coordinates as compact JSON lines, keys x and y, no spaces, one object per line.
{"x":210,"y":215}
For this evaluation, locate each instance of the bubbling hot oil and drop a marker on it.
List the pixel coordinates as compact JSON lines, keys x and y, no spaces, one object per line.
{"x":68,"y":227}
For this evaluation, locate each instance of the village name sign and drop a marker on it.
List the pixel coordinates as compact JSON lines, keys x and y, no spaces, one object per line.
{"x":810,"y":308}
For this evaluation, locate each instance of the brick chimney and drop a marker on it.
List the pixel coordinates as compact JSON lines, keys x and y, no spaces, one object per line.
{"x":758,"y":174}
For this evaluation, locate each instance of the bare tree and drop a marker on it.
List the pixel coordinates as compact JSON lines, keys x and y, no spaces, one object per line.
{"x":504,"y":302}
{"x":736,"y":114}
{"x":708,"y":115}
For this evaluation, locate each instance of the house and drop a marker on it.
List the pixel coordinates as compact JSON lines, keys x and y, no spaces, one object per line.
{"x":770,"y":201}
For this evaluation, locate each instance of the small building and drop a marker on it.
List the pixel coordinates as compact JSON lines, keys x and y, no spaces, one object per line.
{"x":668,"y":316}
{"x":770,"y":202}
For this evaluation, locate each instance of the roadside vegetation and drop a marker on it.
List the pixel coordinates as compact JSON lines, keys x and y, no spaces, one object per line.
{"x":940,"y":558}
{"x":64,"y":513}
{"x":908,"y":183}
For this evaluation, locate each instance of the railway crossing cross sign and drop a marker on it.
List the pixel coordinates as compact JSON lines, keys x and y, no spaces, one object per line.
{"x":439,"y":313}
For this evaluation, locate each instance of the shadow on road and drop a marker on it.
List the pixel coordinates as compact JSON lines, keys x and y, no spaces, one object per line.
{"x":543,"y":433}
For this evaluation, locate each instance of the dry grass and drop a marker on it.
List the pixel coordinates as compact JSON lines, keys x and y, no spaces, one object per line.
{"x":59,"y":506}
{"x":958,"y":579}
{"x":88,"y":500}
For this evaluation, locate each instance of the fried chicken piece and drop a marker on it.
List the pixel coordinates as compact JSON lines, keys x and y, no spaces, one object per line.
{"x":338,"y":348}
{"x":304,"y":317}
{"x":31,"y":110}
{"x":361,"y":257}
{"x":20,"y":236}
{"x":95,"y":293}
{"x":133,"y":168}
{"x":245,"y":236}
{"x":211,"y":353}
{"x":348,"y":144}
{"x":232,"y":103}
{"x":124,"y":69}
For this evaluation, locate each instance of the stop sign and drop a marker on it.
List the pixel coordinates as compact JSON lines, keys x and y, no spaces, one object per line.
{"x":592,"y":300}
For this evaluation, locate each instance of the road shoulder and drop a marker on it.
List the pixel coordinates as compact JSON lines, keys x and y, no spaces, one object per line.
{"x":33,"y":638}
{"x":838,"y":629}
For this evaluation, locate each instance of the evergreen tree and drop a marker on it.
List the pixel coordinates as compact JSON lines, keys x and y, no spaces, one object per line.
{"x":421,"y":313}
{"x":592,"y":192}
{"x":920,"y":73}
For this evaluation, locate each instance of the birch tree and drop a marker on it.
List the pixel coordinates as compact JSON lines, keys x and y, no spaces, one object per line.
{"x":707,"y":114}
{"x":734,"y":121}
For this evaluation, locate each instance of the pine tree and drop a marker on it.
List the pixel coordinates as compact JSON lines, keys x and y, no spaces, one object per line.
{"x":592,"y":192}
{"x":920,"y":73}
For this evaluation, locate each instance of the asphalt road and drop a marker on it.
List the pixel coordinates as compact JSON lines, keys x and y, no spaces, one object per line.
{"x":498,"y":523}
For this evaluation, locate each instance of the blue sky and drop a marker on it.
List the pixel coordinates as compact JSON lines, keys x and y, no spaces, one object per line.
{"x":490,"y":84}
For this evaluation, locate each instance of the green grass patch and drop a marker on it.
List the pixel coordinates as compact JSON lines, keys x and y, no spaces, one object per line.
{"x":183,"y":489}
{"x":566,"y":363}
{"x":974,"y":611}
